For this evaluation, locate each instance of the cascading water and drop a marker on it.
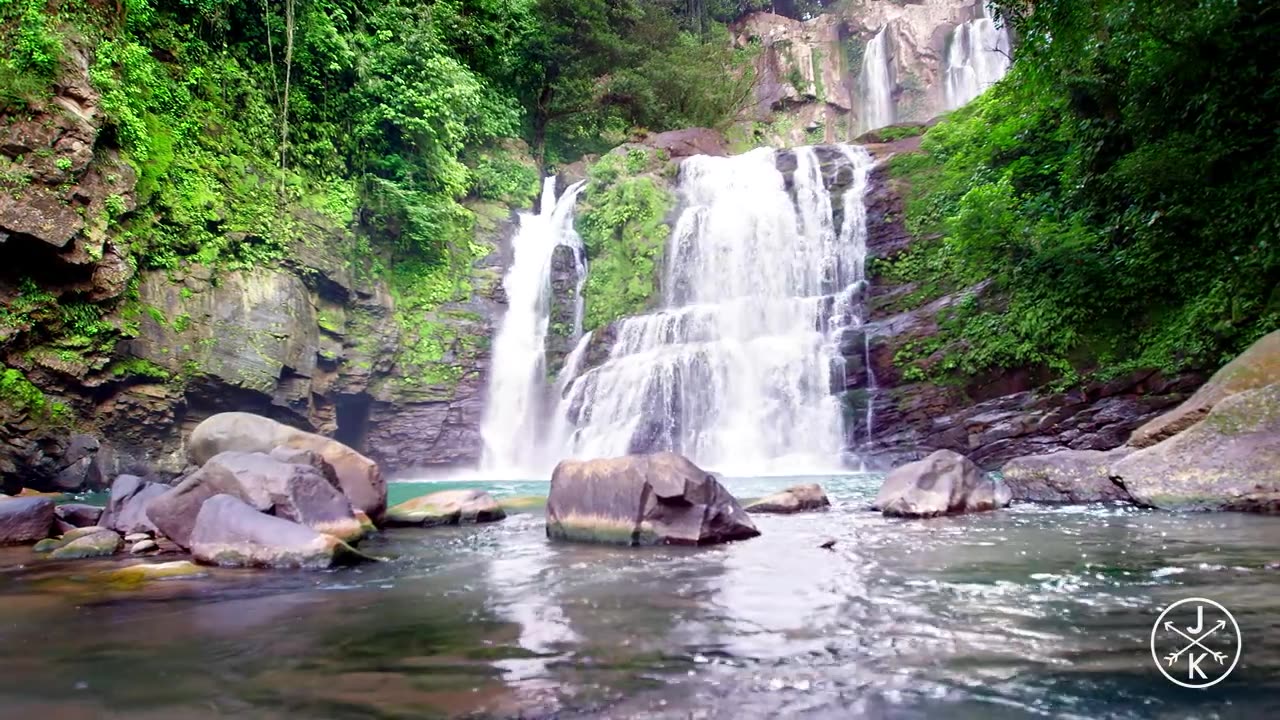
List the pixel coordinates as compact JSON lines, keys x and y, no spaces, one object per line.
{"x":515,"y":412}
{"x":977,"y":55}
{"x":736,"y":371}
{"x":875,"y":82}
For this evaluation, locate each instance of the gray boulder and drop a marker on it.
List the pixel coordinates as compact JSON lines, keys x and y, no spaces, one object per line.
{"x":126,"y":511}
{"x":79,"y":514}
{"x":797,"y":498}
{"x":657,"y":499}
{"x":1230,"y":460}
{"x":359,"y":477}
{"x":1069,"y":476}
{"x":231,"y":533}
{"x":447,"y":507}
{"x":944,"y":483}
{"x":299,"y":493}
{"x":25,"y":520}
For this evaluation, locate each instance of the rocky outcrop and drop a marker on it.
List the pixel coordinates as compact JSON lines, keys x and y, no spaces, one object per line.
{"x":447,"y":507}
{"x":78,"y":514}
{"x":294,"y":492}
{"x":1068,"y":476}
{"x":658,"y":499}
{"x":798,"y":498}
{"x":1256,"y":367}
{"x":359,"y":478}
{"x":231,"y":533}
{"x":991,"y":418}
{"x":679,"y":144}
{"x":127,"y":505}
{"x":945,"y":483}
{"x":25,"y":520}
{"x":1230,"y":460}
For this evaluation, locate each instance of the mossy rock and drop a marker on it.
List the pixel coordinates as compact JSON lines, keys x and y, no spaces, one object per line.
{"x":87,"y":545}
{"x":135,"y":575}
{"x":523,"y":503}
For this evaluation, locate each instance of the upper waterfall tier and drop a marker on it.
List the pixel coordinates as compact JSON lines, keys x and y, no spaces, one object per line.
{"x":736,"y":371}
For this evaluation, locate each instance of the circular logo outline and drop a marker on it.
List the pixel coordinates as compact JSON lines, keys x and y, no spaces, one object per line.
{"x":1239,"y":643}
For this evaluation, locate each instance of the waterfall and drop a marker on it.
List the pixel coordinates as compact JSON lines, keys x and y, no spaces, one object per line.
{"x":736,"y":371}
{"x":876,"y":84}
{"x":514,"y":411}
{"x":977,"y":55}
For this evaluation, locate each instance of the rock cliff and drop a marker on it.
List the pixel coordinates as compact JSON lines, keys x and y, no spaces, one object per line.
{"x":810,"y":81}
{"x":107,"y":365}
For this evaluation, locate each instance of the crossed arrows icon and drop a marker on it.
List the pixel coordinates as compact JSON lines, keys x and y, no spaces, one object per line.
{"x":1219,"y":657}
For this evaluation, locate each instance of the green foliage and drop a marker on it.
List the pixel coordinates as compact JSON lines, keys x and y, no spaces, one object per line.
{"x":21,"y":396}
{"x":502,"y":175}
{"x":1123,"y":196}
{"x":621,"y":223}
{"x":138,"y":367}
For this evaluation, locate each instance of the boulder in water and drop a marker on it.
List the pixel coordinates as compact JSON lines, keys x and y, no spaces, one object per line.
{"x":1230,"y":460}
{"x":86,"y":543}
{"x":294,"y":492}
{"x":133,"y":575}
{"x":231,"y":533}
{"x":797,"y":498}
{"x":447,"y":507}
{"x":944,"y":483}
{"x":126,"y":511}
{"x":359,"y":478}
{"x":1255,"y":368}
{"x":1069,"y":476}
{"x":658,"y":499}
{"x":25,"y":520}
{"x":79,"y":514}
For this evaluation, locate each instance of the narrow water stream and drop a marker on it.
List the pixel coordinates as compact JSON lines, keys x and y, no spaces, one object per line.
{"x":1029,"y":612}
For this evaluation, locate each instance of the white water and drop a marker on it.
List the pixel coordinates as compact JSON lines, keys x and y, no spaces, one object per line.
{"x":875,"y":82}
{"x":514,"y":412}
{"x":978,"y":55}
{"x":736,"y":372}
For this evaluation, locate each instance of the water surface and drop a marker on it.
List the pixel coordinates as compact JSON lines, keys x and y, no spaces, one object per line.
{"x":1029,"y":612}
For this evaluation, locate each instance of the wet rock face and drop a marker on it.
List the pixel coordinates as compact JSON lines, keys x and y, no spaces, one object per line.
{"x":1230,"y":460}
{"x":945,"y":483}
{"x":658,"y":499}
{"x":1068,"y":476}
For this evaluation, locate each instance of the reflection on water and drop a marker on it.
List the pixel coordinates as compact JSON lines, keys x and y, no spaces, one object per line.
{"x":1031,"y":612}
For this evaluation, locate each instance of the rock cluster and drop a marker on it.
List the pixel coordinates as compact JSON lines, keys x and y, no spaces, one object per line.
{"x":945,"y":483}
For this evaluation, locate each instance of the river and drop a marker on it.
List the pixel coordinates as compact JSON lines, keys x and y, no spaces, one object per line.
{"x":1029,"y":612}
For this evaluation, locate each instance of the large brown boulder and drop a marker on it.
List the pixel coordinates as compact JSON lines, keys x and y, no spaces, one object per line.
{"x":1069,"y":476}
{"x":359,"y":477}
{"x":230,"y":533}
{"x":797,"y":498}
{"x":944,"y":483}
{"x":447,"y":507}
{"x":1230,"y":460}
{"x":1256,"y":367}
{"x":25,"y":519}
{"x":291,"y":491}
{"x":658,"y":499}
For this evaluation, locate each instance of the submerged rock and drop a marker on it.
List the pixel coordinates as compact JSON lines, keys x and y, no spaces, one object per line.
{"x":655,"y":499}
{"x":797,"y":498}
{"x":359,"y":477}
{"x":1070,"y":476}
{"x":126,"y":511}
{"x":522,"y":503}
{"x":143,"y":546}
{"x":1255,"y":368}
{"x":79,"y":514}
{"x":1228,"y":461}
{"x":143,"y":572}
{"x":944,"y":483}
{"x":87,"y":543}
{"x":294,"y":492}
{"x":447,"y":507}
{"x":231,"y":533}
{"x":25,"y":520}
